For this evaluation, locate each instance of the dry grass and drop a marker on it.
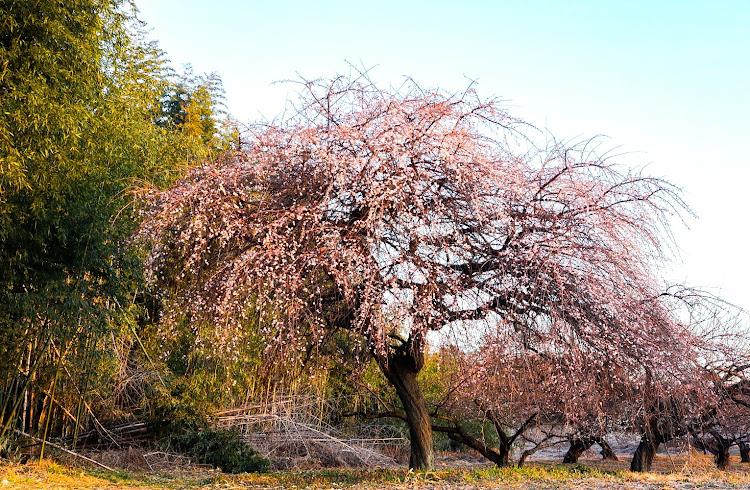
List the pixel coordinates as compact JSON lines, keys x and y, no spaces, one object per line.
{"x":295,"y":432}
{"x":679,"y":472}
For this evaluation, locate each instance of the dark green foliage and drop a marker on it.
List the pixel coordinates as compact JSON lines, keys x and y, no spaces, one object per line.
{"x":176,"y":408}
{"x":221,"y":448}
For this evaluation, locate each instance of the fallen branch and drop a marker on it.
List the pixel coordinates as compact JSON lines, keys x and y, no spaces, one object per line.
{"x":56,"y":446}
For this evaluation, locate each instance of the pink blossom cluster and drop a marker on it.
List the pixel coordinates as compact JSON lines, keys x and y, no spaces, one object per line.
{"x":392,"y":214}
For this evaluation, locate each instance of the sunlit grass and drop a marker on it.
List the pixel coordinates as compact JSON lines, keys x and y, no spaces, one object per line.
{"x":693,"y":471}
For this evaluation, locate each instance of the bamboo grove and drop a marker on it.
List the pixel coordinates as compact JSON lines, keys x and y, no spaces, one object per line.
{"x":89,"y":106}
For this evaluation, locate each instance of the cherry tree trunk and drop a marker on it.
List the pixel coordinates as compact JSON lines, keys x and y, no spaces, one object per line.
{"x":577,"y":447}
{"x":644,"y":455}
{"x":607,"y":453}
{"x":499,"y":455}
{"x":718,"y":446}
{"x":722,"y":457}
{"x":503,"y":456}
{"x":744,"y":452}
{"x":720,"y":450}
{"x":402,"y":371}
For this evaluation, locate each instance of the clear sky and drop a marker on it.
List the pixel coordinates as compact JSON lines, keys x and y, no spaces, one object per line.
{"x":668,"y":82}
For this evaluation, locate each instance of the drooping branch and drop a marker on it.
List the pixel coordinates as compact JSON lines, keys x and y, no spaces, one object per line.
{"x":392,"y":214}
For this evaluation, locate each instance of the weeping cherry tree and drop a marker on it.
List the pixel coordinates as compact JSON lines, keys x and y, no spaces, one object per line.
{"x":393,"y":214}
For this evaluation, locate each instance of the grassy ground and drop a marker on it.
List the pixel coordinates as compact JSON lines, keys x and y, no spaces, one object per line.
{"x":670,"y":473}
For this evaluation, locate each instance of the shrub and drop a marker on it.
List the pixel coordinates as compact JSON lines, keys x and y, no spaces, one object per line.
{"x":175,"y":408}
{"x":221,"y":448}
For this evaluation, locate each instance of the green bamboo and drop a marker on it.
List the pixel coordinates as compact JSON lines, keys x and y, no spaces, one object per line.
{"x":17,"y":402}
{"x":49,"y":410}
{"x":84,"y":390}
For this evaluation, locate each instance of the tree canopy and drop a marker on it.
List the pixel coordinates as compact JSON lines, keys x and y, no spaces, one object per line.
{"x":394,"y":214}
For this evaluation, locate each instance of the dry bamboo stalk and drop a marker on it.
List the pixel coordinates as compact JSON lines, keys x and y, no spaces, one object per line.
{"x":56,"y":446}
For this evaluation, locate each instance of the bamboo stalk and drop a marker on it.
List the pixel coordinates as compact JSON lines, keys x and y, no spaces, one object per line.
{"x":49,"y":410}
{"x":96,"y":421}
{"x":26,"y":401}
{"x":25,"y":385}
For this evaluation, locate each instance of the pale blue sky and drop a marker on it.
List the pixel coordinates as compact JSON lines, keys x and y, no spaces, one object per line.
{"x":668,"y":81}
